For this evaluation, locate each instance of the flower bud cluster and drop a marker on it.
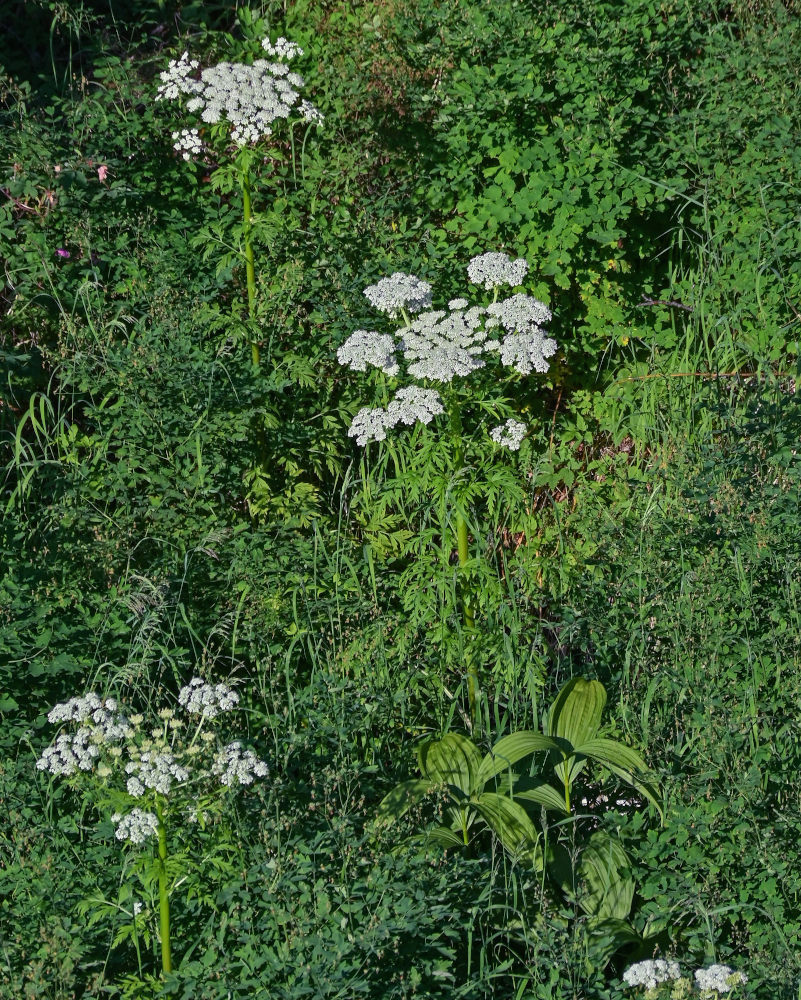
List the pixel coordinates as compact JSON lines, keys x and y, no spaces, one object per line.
{"x":510,"y":435}
{"x":250,"y":98}
{"x":439,"y":346}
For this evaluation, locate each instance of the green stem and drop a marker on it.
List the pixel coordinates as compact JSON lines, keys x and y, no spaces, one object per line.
{"x":250,"y":263}
{"x":462,"y":548}
{"x":164,"y":902}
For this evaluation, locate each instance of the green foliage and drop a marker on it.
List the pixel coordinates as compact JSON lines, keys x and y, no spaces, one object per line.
{"x":164,"y":506}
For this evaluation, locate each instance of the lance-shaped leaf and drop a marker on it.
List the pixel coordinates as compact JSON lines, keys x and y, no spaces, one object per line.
{"x":453,"y":760}
{"x":512,"y":825}
{"x":575,"y":716}
{"x":402,"y":797}
{"x":514,"y":747}
{"x":626,"y":764}
{"x":542,"y":794}
{"x":444,"y":836}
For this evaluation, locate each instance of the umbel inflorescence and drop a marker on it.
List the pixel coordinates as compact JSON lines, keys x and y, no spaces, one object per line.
{"x":439,"y":345}
{"x":250,"y":98}
{"x":173,"y":756}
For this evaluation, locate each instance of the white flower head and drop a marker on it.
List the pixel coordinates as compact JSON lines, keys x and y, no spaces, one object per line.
{"x":178,"y":78}
{"x":410,"y":405}
{"x":718,"y":979}
{"x":490,"y":270}
{"x":187,"y":142}
{"x":509,"y":435}
{"x":443,"y":345}
{"x":651,"y":972}
{"x":366,"y":347}
{"x":368,"y":425}
{"x":233,"y":765}
{"x":520,"y":313}
{"x":250,"y":98}
{"x":283,"y":48}
{"x":136,"y":826}
{"x":208,"y":700}
{"x":413,"y":404}
{"x":399,"y":291}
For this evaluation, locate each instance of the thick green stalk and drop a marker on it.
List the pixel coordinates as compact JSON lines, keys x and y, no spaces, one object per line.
{"x":164,"y":901}
{"x":250,"y":264}
{"x":462,"y":549}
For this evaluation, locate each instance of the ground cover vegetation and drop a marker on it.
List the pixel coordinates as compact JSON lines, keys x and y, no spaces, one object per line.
{"x":413,"y":440}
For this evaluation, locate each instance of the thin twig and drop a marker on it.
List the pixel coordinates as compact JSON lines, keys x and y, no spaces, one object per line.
{"x":663,"y":302}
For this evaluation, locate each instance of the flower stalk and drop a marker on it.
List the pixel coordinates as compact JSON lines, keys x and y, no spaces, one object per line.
{"x":250,"y":264}
{"x":164,"y":899}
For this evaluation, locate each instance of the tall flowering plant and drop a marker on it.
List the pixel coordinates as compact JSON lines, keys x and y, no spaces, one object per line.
{"x":432,"y":350}
{"x":152,"y":775}
{"x":239,"y":105}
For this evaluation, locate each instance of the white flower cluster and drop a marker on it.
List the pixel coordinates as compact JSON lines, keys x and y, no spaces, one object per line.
{"x":443,"y":345}
{"x":509,"y":435}
{"x":398,"y":292}
{"x":490,"y":270}
{"x":409,"y":405}
{"x":525,"y":346}
{"x":177,"y":78}
{"x":70,"y":753}
{"x":101,"y":724}
{"x":187,"y":142}
{"x":366,"y":347}
{"x":249,"y":98}
{"x":439,"y":346}
{"x":208,"y":700}
{"x":283,"y":48}
{"x":651,"y":972}
{"x":718,"y":979}
{"x":154,"y":770}
{"x":234,"y":765}
{"x":136,"y":826}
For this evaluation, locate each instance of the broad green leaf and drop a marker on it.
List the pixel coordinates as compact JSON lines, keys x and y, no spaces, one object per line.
{"x":606,"y":936}
{"x":545,"y":795}
{"x":402,"y":797}
{"x":576,"y":717}
{"x":445,"y":837}
{"x":512,"y":825}
{"x":512,"y":748}
{"x":604,"y":868}
{"x":626,"y":764}
{"x":576,"y":713}
{"x":454,"y":760}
